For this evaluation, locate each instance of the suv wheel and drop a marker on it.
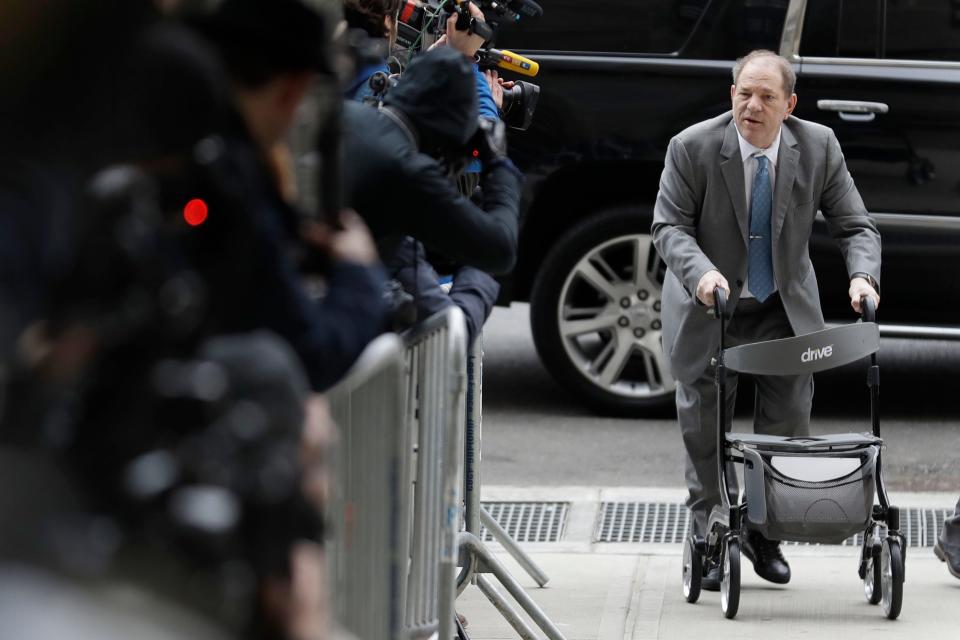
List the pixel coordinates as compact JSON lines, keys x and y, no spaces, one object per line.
{"x":595,"y":314}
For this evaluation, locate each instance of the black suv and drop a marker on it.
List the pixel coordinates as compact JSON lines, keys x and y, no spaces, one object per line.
{"x":620,"y":77}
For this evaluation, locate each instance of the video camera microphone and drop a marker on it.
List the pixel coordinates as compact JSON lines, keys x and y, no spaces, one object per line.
{"x":490,"y":58}
{"x":526,"y":8}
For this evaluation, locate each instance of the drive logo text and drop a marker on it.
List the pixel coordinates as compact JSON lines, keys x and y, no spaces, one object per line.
{"x":816,"y":354}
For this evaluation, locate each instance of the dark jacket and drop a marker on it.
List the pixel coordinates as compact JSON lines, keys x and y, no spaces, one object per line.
{"x":401,"y":191}
{"x":246,"y":257}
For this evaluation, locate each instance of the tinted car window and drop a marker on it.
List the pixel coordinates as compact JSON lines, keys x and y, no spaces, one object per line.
{"x":656,"y":26}
{"x":733,"y":28}
{"x":715,"y":29}
{"x":915,"y":29}
{"x":840,"y":28}
{"x":923,"y":30}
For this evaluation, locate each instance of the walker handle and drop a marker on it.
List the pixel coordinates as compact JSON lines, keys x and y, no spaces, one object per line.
{"x":720,"y":303}
{"x":868,"y":310}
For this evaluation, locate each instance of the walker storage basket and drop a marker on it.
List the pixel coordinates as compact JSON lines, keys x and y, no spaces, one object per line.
{"x":815,"y":489}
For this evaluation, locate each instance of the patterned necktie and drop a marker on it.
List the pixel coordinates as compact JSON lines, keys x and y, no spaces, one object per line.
{"x":760,"y":255}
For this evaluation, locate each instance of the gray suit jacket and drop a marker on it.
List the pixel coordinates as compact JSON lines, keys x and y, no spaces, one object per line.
{"x":701,"y":222}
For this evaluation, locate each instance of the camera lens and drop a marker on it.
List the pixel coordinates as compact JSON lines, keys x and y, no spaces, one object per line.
{"x":519,"y":103}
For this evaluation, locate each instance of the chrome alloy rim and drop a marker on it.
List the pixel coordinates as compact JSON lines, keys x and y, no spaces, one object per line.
{"x":886,"y":577}
{"x":609,"y":318}
{"x":725,"y":579}
{"x":687,"y":568}
{"x":868,"y":583}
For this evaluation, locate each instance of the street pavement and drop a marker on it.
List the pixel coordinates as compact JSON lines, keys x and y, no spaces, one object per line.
{"x":619,"y":591}
{"x":637,"y":596}
{"x":540,"y":444}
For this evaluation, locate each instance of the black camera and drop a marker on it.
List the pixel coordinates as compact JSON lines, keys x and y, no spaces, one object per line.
{"x":419,"y":22}
{"x":519,"y":103}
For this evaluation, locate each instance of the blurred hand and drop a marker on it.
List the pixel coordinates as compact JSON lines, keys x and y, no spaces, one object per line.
{"x":859,"y":287}
{"x":58,"y":358}
{"x":464,"y":41}
{"x":708,"y":282}
{"x":351,"y":244}
{"x":496,"y":87}
{"x":299,"y":606}
{"x":281,"y":164}
{"x":309,"y":613}
{"x":316,"y":446}
{"x":354,"y":243}
{"x":440,"y":42}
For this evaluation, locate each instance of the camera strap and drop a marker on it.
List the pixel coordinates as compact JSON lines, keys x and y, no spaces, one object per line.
{"x":401,"y":121}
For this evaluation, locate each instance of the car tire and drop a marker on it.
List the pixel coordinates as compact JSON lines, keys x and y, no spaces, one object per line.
{"x":595,"y":314}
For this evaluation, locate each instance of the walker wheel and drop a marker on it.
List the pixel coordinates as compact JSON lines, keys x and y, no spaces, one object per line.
{"x":873,"y":579}
{"x":891,"y":577}
{"x":692,"y":570}
{"x":730,"y":578}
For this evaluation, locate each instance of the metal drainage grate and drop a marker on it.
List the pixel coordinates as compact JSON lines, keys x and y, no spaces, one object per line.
{"x":920,"y":527}
{"x":527,"y":521}
{"x":659,"y":522}
{"x":668,"y":523}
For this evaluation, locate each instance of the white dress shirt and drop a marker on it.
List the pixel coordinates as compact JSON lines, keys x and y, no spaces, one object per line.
{"x":749,"y":153}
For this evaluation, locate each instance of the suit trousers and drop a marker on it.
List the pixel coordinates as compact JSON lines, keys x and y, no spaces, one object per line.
{"x":782,"y":406}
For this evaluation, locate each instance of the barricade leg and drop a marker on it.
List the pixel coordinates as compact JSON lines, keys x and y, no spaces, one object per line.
{"x":475,"y":557}
{"x":473,"y":544}
{"x":511,"y":546}
{"x":506,"y":609}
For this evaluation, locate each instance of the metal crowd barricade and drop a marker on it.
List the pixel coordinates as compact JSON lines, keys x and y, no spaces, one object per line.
{"x":476,"y":560}
{"x":367,"y":551}
{"x":436,"y":365}
{"x":403,"y":412}
{"x":401,"y":417}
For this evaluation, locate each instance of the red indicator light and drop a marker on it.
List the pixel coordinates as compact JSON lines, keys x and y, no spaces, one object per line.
{"x":476,"y":153}
{"x":407,"y":12}
{"x":195,"y":212}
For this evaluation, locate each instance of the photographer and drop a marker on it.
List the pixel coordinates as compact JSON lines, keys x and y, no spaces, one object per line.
{"x":489,"y":87}
{"x":273,"y":51}
{"x":378,"y":19}
{"x":411,"y":149}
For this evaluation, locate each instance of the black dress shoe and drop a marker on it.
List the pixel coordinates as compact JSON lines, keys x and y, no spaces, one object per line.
{"x":950,"y":555}
{"x":768,"y":561}
{"x":711,"y":580}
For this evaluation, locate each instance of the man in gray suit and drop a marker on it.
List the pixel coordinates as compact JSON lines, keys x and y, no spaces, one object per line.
{"x":737,"y":201}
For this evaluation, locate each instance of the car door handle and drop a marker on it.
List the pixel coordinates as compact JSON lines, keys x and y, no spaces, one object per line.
{"x":853,"y":110}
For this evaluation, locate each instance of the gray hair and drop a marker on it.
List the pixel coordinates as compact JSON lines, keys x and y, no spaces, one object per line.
{"x":786,"y":69}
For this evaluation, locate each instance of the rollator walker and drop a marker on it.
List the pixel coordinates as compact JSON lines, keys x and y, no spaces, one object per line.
{"x":808,"y":489}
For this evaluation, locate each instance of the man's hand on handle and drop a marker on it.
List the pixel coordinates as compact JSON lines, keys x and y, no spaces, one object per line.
{"x":859,"y":287}
{"x":708,"y":282}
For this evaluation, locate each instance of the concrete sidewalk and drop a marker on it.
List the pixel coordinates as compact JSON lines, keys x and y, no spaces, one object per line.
{"x":619,"y":596}
{"x":626,"y":591}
